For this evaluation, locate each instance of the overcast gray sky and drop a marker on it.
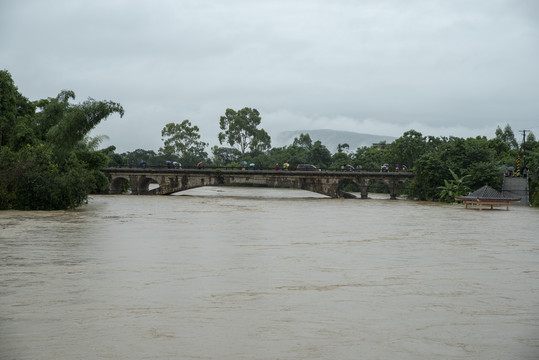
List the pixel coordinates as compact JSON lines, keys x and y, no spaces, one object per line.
{"x":444,"y":68}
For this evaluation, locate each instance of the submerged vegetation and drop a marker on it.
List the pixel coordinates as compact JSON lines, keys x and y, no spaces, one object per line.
{"x":48,"y":162}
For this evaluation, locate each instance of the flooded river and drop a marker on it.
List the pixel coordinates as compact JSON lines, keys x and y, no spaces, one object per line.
{"x":270,"y":274}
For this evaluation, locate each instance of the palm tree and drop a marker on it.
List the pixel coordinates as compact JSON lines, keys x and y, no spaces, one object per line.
{"x":92,"y":143}
{"x":453,"y":187}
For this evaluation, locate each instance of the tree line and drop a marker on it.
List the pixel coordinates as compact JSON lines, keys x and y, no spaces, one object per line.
{"x":47,"y":160}
{"x":444,"y":167}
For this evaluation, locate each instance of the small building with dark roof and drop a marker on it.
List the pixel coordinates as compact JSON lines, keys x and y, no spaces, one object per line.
{"x":487,"y":196}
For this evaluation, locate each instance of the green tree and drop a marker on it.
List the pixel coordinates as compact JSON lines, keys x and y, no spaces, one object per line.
{"x":135,"y":157}
{"x":471,"y":156}
{"x":16,"y":113}
{"x":479,"y":161}
{"x":532,"y":162}
{"x":406,"y":149}
{"x":454,"y":187}
{"x":241,"y":128}
{"x":183,"y":140}
{"x":115,"y":159}
{"x":64,"y":124}
{"x":500,"y":147}
{"x":301,"y":151}
{"x":531,"y":138}
{"x":526,"y":148}
{"x":304,"y":141}
{"x":340,"y":159}
{"x":369,"y":157}
{"x":296,"y":155}
{"x":507,"y":136}
{"x":319,"y":155}
{"x":93,"y":143}
{"x":44,"y":162}
{"x":225,"y":155}
{"x":343,"y":147}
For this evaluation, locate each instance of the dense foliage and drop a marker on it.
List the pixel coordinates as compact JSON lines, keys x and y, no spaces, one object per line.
{"x":443,"y":167}
{"x":45,"y":161}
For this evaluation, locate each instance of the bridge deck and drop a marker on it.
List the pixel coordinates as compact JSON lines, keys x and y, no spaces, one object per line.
{"x":324,"y":182}
{"x":259,"y":172}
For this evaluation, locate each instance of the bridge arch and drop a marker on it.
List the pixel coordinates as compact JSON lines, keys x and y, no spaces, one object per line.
{"x":391,"y":183}
{"x":379,"y":186}
{"x":118,"y":184}
{"x":143,"y":185}
{"x":341,"y":184}
{"x":393,"y":186}
{"x":174,"y":180}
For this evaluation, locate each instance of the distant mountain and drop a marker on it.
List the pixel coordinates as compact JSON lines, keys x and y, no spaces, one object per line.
{"x":331,"y":138}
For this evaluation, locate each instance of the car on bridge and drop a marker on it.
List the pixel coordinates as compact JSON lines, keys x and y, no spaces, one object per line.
{"x":307,"y":167}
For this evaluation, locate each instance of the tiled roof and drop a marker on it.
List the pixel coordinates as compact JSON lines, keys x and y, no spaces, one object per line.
{"x":487,"y":193}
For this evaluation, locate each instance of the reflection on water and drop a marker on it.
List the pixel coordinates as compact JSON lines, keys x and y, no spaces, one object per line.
{"x":271,"y":275}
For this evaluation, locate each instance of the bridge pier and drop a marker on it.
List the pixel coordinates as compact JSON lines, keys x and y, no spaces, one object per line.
{"x":393,"y":191}
{"x":393,"y":187}
{"x":364,"y":191}
{"x":364,"y":187}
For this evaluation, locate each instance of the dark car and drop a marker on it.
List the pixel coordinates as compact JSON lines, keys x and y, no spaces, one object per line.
{"x":307,"y":167}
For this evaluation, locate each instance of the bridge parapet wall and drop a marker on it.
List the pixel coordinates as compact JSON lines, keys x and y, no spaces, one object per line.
{"x":174,"y":180}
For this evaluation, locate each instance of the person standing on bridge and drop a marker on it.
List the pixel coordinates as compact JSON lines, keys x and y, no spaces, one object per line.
{"x":199,"y":165}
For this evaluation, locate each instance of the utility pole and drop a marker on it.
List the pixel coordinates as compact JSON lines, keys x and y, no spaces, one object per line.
{"x":521,"y":147}
{"x":523,"y":136}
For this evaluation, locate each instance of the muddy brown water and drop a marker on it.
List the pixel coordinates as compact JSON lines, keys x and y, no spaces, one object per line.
{"x":268,"y":274}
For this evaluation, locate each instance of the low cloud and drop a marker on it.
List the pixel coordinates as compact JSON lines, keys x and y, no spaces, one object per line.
{"x":454,"y":68}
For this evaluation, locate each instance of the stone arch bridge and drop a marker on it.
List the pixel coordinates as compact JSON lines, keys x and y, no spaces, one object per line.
{"x":328,"y":183}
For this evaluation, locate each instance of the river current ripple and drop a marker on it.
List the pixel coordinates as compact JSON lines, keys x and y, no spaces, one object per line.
{"x":270,"y":274}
